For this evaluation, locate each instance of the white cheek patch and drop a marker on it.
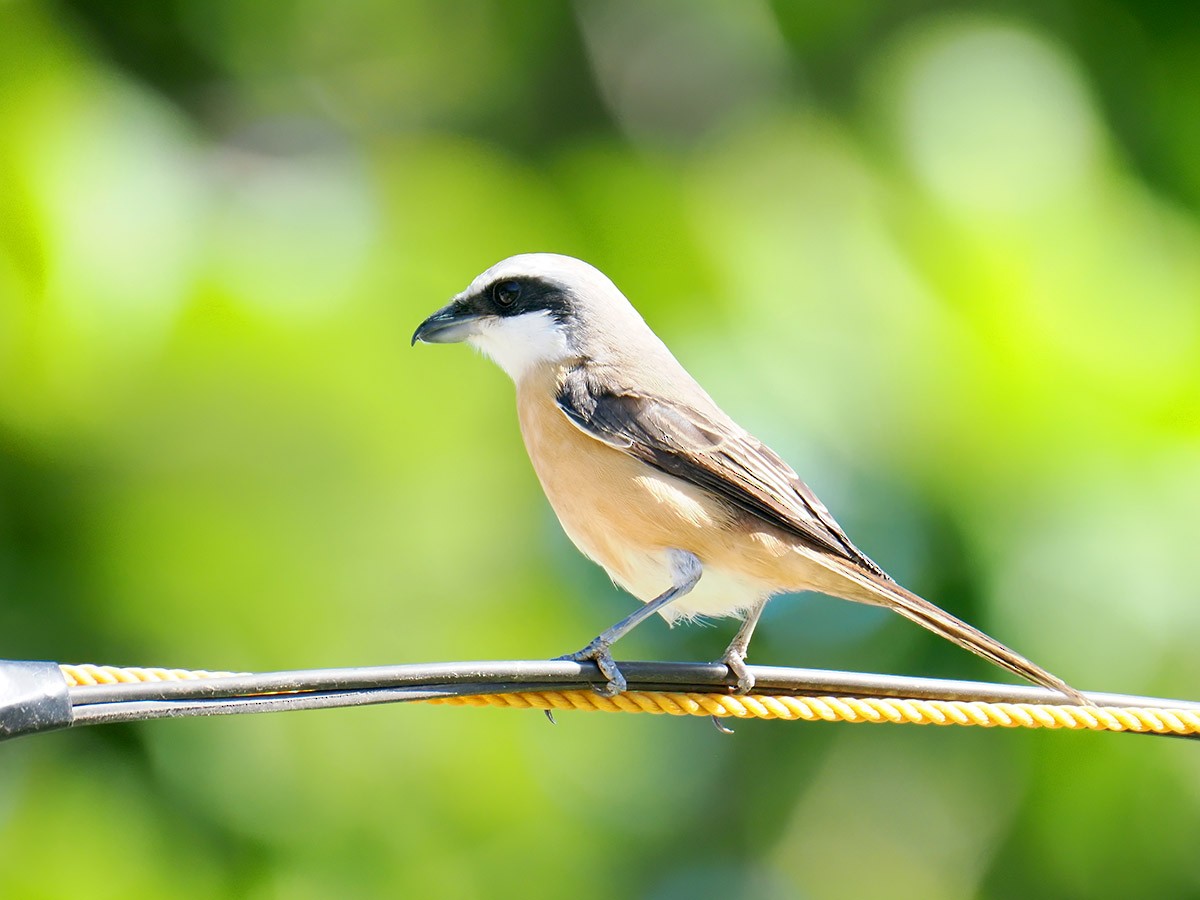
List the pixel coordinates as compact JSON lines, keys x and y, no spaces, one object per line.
{"x":520,"y":343}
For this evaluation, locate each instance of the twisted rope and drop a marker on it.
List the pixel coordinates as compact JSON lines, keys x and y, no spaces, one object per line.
{"x":88,"y":675}
{"x":854,"y":709}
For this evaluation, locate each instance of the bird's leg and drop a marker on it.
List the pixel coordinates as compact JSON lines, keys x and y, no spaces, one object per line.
{"x":685,"y":572}
{"x":735,"y":653}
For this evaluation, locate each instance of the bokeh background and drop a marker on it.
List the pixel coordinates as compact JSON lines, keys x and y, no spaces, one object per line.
{"x":945,"y":259}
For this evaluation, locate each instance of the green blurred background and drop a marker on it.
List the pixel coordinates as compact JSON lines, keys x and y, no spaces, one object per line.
{"x":945,"y":260}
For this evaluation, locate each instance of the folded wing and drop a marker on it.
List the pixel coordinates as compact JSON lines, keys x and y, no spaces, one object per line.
{"x":711,"y":451}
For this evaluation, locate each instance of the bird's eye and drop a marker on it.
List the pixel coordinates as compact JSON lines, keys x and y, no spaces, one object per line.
{"x":506,"y":293}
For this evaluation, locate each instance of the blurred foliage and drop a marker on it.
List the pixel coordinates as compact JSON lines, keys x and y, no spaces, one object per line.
{"x":946,"y":258}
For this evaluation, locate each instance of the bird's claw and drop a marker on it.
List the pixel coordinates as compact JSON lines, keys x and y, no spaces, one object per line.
{"x":721,"y":726}
{"x":735,"y":661}
{"x":598,"y":651}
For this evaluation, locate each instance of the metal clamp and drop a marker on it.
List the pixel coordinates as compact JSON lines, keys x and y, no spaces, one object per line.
{"x":33,"y":698}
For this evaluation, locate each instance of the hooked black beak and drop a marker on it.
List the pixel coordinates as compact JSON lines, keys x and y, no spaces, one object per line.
{"x":449,"y":325}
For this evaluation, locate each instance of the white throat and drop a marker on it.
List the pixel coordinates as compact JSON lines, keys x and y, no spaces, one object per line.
{"x":521,"y":343}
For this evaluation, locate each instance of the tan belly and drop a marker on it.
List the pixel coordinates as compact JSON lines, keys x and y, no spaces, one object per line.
{"x":611,"y":505}
{"x":625,"y":516}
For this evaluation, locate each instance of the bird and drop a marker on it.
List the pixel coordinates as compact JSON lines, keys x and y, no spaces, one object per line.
{"x":651,"y":479}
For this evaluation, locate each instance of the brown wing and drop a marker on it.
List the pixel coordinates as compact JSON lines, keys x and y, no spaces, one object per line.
{"x":710,"y":451}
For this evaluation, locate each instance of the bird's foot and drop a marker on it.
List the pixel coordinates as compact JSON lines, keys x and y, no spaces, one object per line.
{"x":735,"y":660}
{"x":599,"y":652}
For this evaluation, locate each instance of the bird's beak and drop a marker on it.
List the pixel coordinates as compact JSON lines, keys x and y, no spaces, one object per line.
{"x":449,"y":325}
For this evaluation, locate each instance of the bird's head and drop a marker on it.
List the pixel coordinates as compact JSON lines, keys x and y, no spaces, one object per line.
{"x":535,"y":309}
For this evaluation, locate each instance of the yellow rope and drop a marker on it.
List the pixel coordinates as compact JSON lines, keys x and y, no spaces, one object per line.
{"x":790,"y":708}
{"x":855,"y":709}
{"x":89,"y":675}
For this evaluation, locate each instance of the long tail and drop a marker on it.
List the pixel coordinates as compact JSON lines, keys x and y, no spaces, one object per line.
{"x":917,"y":609}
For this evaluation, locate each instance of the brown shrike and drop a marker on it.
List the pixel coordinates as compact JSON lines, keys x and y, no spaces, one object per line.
{"x":682,"y":507}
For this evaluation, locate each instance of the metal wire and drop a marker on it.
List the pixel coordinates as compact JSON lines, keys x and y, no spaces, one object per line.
{"x":138,"y":710}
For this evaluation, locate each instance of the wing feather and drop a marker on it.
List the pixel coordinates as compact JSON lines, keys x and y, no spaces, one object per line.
{"x":707,"y":449}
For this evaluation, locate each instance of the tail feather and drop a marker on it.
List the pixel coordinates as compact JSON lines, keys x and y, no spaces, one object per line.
{"x":917,"y":609}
